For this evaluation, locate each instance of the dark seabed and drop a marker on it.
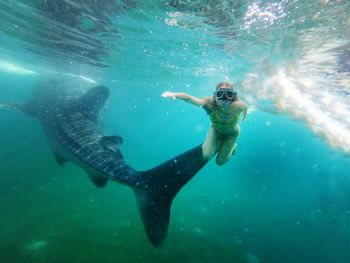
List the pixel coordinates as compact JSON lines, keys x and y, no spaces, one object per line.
{"x":283,"y":197}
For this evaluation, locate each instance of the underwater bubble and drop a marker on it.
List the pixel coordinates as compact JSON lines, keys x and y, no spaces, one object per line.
{"x":268,"y":123}
{"x":198,"y":231}
{"x":36,"y":245}
{"x":237,"y":240}
{"x":203,"y":209}
{"x":250,"y":258}
{"x":181,"y":219}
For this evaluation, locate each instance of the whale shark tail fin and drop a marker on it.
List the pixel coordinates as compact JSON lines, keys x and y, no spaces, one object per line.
{"x":160,"y":186}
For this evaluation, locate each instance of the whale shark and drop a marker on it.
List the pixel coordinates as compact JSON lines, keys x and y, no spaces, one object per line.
{"x":70,"y":120}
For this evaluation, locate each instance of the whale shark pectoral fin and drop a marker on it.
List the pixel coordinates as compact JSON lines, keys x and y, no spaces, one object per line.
{"x":60,"y":160}
{"x":111,"y":143}
{"x":97,"y":180}
{"x":92,"y":101}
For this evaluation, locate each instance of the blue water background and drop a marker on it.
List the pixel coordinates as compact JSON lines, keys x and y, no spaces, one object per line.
{"x":284,"y":196}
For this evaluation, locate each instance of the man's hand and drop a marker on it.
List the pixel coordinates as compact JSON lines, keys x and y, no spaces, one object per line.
{"x":169,"y":94}
{"x":183,"y":96}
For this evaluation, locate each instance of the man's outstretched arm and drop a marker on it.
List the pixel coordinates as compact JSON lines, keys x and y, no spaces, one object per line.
{"x":185,"y":97}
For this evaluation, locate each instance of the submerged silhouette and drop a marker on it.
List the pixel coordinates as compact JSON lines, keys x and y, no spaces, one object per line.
{"x":70,"y":120}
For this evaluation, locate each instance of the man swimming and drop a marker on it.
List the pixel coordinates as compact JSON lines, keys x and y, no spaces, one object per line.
{"x":224,"y":109}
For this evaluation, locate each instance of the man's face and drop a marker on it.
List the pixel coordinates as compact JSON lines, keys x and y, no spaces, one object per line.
{"x":224,"y":96}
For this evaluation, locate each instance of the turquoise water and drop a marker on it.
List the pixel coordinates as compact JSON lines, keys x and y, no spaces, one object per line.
{"x":284,"y":196}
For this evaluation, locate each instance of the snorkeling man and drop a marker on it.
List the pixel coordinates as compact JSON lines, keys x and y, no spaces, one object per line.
{"x":224,"y":109}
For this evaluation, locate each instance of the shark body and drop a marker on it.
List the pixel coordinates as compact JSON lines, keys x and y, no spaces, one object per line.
{"x":71,"y":124}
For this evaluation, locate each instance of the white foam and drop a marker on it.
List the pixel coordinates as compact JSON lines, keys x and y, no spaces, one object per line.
{"x":304,"y":90}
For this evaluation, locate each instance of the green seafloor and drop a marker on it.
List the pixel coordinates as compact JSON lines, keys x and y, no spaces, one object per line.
{"x":283,"y":197}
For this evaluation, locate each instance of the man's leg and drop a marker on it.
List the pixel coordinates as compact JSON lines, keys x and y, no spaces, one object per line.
{"x":211,"y":144}
{"x":227,"y":148}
